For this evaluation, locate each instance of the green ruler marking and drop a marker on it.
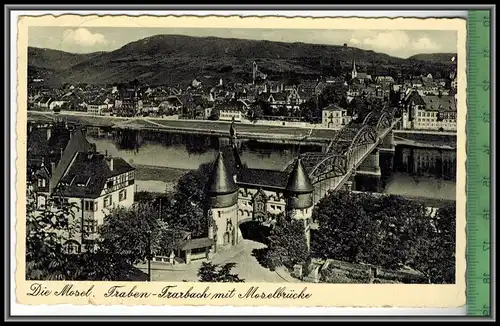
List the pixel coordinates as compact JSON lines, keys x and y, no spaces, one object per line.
{"x":478,"y":164}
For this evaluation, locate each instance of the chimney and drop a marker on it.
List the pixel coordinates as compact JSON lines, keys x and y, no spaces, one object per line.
{"x":52,"y":167}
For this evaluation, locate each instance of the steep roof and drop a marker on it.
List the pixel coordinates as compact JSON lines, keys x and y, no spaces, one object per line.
{"x":221,"y":181}
{"x":77,"y":143}
{"x":87,"y":174}
{"x":298,"y":181}
{"x":440,"y":103}
{"x":261,"y":177}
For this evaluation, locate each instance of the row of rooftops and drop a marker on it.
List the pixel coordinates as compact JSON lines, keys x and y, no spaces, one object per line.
{"x":97,"y":94}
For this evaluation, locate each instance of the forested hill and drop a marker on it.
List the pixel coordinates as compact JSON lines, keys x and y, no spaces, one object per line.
{"x":167,"y":59}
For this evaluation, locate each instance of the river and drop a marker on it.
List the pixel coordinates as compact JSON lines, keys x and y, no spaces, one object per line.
{"x":161,"y":158}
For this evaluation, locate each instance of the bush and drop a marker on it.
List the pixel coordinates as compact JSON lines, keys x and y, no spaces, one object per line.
{"x":333,"y":275}
{"x":382,"y":281}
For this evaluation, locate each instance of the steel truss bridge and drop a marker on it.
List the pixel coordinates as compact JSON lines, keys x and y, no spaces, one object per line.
{"x":330,"y":169}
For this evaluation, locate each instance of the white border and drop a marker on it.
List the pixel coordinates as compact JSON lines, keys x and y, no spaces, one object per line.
{"x":70,"y":310}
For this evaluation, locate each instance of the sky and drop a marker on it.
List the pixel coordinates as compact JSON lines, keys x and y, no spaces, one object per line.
{"x":398,"y":43}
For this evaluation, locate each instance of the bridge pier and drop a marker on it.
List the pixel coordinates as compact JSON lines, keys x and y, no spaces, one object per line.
{"x":369,"y":175}
{"x":227,"y":141}
{"x":388,"y":145}
{"x":387,"y":149}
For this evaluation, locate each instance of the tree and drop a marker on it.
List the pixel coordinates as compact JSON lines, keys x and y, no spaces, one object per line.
{"x":255,"y":112}
{"x":47,"y":229}
{"x":286,"y":244}
{"x":344,"y":228}
{"x":127,"y":233}
{"x":214,"y":114}
{"x":209,"y":272}
{"x":143,"y":196}
{"x":435,"y":255}
{"x":186,"y":210}
{"x":358,"y":228}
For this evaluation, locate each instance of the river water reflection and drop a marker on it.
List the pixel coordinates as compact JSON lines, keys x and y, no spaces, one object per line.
{"x":161,"y":158}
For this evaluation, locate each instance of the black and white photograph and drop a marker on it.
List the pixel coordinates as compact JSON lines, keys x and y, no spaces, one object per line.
{"x":245,"y":155}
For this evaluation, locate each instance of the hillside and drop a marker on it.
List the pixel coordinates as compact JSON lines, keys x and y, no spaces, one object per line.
{"x":444,"y":58}
{"x":55,"y":59}
{"x":167,"y":59}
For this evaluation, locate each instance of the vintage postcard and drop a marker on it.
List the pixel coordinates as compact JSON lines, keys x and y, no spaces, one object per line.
{"x":242,"y":161}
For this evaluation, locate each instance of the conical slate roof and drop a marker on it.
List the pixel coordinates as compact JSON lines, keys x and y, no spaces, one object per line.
{"x":298,"y":181}
{"x":220,"y":181}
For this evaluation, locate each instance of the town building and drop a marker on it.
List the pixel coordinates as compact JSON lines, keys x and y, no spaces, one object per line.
{"x":384,"y":80}
{"x":335,"y":117}
{"x":63,"y":165}
{"x":96,"y":108}
{"x":257,"y":74}
{"x":430,"y":112}
{"x":228,"y":114}
{"x":44,"y":102}
{"x":57,"y":105}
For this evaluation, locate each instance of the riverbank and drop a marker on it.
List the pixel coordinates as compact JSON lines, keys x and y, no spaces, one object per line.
{"x":157,"y":178}
{"x":259,"y":131}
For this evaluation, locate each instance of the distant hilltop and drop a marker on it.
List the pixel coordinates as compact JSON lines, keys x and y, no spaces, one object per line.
{"x":445,"y":58}
{"x":176,"y":59}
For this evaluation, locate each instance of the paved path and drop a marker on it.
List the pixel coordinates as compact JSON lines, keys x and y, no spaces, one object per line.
{"x":247,"y":267}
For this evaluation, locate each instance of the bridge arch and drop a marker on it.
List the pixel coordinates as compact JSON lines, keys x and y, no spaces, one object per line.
{"x":386,"y":119}
{"x":347,"y":149}
{"x":331,"y":166}
{"x":340,"y":143}
{"x":371,"y":116}
{"x":365,"y":137}
{"x":253,"y":230}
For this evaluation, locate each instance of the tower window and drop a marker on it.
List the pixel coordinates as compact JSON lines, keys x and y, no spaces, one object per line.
{"x":41,"y":182}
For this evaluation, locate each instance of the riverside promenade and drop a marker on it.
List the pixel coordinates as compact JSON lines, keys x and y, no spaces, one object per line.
{"x":260,"y":130}
{"x":201,"y":127}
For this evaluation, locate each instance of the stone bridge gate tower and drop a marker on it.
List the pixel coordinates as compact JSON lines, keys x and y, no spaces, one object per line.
{"x":299,"y":198}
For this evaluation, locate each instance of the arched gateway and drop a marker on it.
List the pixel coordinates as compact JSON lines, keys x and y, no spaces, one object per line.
{"x":240,"y":201}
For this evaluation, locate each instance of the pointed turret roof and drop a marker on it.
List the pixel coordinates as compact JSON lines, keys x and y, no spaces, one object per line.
{"x":220,"y":181}
{"x":298,"y":181}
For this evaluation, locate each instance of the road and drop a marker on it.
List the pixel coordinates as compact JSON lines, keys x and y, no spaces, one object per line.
{"x":247,"y":267}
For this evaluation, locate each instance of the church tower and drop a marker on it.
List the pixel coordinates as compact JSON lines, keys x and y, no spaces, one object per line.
{"x":254,"y":71}
{"x":299,"y":197}
{"x":354,"y":72}
{"x":222,"y":205}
